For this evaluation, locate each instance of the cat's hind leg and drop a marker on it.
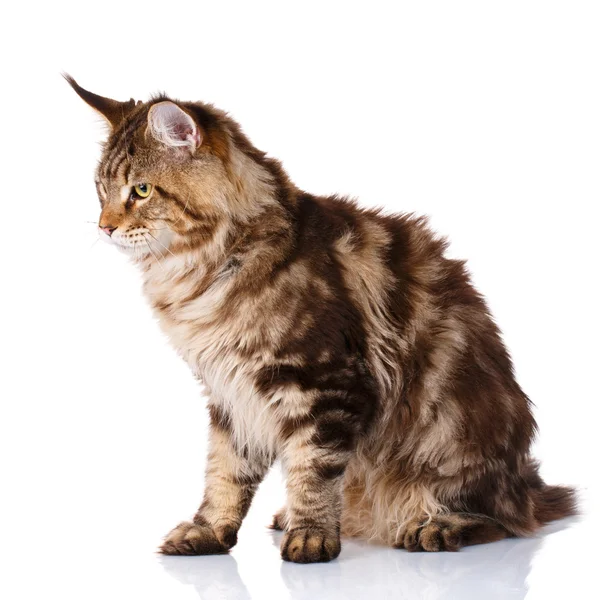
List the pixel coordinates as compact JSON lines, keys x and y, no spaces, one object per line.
{"x":500,"y":505}
{"x":449,"y":532}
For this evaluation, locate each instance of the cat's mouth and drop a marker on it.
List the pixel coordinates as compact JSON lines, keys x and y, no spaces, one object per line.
{"x":136,"y":252}
{"x":136,"y":247}
{"x":140,"y":245}
{"x":127,"y":247}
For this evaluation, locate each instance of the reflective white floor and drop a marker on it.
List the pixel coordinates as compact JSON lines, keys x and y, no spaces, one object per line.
{"x":494,"y":571}
{"x":550,"y":565}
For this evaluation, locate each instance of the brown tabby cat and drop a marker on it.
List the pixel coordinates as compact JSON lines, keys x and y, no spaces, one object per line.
{"x":340,"y":340}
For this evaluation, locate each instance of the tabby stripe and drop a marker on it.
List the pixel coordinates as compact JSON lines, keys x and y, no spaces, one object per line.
{"x":117,"y":164}
{"x":127,"y":170}
{"x":120,"y":138}
{"x":183,"y":206}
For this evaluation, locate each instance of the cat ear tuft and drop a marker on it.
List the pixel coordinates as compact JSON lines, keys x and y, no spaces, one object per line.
{"x":112,"y":110}
{"x":173,"y":127}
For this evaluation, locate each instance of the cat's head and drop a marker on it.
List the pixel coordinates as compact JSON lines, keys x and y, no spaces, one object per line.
{"x":173,"y":175}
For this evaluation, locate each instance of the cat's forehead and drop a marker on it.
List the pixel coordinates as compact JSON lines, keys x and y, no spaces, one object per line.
{"x":113,"y":177}
{"x":124,"y":149}
{"x":130,"y":163}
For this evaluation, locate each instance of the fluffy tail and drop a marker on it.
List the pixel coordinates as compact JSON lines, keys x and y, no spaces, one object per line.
{"x":554,"y":502}
{"x":551,"y":502}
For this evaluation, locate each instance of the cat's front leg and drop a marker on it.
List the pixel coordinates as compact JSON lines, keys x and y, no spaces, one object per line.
{"x":231,"y":481}
{"x":315,"y":458}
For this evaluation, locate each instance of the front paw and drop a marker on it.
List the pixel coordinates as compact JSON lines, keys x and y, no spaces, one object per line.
{"x":192,"y":539}
{"x":309,"y":545}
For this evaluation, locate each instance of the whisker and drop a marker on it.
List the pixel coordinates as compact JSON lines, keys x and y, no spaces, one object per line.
{"x":94,"y":243}
{"x":147,"y":242}
{"x":155,"y":257}
{"x":167,"y":249}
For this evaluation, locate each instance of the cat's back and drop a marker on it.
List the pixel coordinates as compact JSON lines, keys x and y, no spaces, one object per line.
{"x":401,"y":246}
{"x":393,"y":265}
{"x":418,"y":308}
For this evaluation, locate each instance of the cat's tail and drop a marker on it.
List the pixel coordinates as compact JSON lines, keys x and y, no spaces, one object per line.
{"x":554,"y":502}
{"x":551,"y":502}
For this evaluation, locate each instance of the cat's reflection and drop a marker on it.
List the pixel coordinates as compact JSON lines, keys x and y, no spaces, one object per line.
{"x":213,"y":577}
{"x":491,"y":571}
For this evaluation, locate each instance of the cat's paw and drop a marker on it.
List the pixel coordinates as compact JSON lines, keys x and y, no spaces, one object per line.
{"x":192,"y":539}
{"x":279,"y":520}
{"x":309,"y":545}
{"x":449,"y":532}
{"x":430,"y":535}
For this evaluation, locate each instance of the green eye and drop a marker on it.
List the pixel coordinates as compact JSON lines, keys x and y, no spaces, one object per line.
{"x":142,"y":190}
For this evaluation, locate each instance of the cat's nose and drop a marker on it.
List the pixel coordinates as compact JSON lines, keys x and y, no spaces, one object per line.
{"x":108,"y":230}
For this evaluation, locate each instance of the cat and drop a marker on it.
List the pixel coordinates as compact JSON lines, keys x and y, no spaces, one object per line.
{"x":337,"y":339}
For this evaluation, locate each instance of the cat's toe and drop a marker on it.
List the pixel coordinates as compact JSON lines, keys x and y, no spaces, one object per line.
{"x":431,"y":535}
{"x":309,"y":545}
{"x":189,"y":539}
{"x":412,"y":536}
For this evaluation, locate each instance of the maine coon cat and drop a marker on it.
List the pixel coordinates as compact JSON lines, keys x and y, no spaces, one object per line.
{"x":337,"y":339}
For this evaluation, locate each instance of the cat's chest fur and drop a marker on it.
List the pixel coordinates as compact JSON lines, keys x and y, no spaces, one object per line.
{"x":214,"y":346}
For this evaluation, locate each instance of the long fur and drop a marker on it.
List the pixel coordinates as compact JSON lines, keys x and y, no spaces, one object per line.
{"x":338,"y":339}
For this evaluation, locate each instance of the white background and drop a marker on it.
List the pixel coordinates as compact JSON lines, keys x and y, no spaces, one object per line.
{"x":483,"y":115}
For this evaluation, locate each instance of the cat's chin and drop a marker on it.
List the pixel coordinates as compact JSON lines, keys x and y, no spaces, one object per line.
{"x":130,"y":250}
{"x":136,"y":253}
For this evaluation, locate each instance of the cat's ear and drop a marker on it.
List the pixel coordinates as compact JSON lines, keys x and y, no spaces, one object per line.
{"x":112,"y":110}
{"x":173,"y":127}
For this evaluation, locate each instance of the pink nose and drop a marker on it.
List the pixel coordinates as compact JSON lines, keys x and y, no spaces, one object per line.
{"x":108,"y":230}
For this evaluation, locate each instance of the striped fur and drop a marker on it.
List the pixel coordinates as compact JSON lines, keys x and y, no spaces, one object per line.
{"x":337,"y":339}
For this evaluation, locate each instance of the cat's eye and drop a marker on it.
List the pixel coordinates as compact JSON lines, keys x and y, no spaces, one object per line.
{"x":142,"y":190}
